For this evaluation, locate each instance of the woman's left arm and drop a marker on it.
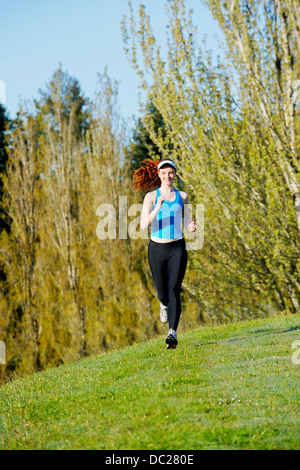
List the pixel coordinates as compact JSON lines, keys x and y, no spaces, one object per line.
{"x":187,"y":221}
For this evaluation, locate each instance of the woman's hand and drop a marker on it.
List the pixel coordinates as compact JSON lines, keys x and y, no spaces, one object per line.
{"x":192,"y":226}
{"x":160,"y":201}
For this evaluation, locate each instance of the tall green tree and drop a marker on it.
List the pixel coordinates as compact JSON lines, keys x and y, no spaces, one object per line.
{"x":63,"y":101}
{"x":145,"y":144}
{"x":67,"y":292}
{"x":142,"y":145}
{"x":233,"y":126}
{"x":263,"y":39}
{"x":19,"y":246}
{"x":4,"y":126}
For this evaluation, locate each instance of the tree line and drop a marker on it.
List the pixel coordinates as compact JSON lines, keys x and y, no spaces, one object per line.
{"x":64,"y":293}
{"x":233,"y":129}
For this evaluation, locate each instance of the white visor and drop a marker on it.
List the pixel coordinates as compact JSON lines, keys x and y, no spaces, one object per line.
{"x":166,"y":162}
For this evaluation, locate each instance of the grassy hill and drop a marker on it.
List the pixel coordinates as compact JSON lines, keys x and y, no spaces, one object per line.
{"x":224,"y":387}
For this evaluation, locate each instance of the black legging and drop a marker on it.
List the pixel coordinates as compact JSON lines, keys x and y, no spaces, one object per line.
{"x":167,"y":262}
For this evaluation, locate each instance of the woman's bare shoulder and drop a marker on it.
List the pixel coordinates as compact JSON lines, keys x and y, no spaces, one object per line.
{"x":150,"y":197}
{"x":184,"y":196}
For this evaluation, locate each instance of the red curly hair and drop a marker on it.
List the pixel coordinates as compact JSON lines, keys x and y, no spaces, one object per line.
{"x":146,"y":177}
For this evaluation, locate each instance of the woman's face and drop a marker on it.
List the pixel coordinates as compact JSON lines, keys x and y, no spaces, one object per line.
{"x":167,"y":175}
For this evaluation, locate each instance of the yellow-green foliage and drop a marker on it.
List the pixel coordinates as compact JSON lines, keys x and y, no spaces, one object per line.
{"x":233,"y":128}
{"x":65,"y":292}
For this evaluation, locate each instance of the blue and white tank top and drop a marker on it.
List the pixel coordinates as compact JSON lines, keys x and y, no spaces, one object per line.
{"x":167,"y":223}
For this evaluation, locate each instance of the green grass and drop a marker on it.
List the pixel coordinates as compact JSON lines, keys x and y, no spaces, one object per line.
{"x":224,"y":387}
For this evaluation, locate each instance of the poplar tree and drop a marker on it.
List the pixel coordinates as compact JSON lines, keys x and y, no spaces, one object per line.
{"x":233,"y":124}
{"x":4,"y":126}
{"x":263,"y":38}
{"x":20,"y":314}
{"x":67,"y":293}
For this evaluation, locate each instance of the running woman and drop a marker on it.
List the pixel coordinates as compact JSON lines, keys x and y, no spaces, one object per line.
{"x":165,"y":208}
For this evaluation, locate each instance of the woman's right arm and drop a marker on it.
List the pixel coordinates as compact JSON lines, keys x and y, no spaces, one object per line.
{"x":147,"y":216}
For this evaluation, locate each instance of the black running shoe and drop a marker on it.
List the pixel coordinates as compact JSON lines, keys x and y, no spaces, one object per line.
{"x":171,"y":340}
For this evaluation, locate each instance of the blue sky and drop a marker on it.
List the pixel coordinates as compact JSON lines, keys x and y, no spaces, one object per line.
{"x":85,"y":37}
